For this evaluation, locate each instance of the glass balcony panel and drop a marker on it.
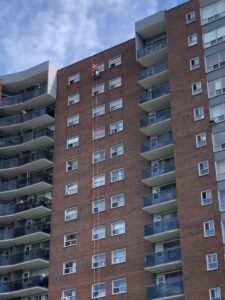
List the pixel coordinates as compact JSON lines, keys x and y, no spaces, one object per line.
{"x":161,"y":227}
{"x":154,"y":93}
{"x":165,"y":290}
{"x":159,"y":142}
{"x":153,"y":70}
{"x":160,"y":197}
{"x":164,"y":257}
{"x":165,"y":167}
{"x":152,"y":48}
{"x":157,"y":117}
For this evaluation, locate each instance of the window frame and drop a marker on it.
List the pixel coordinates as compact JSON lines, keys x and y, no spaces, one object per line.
{"x":113,"y":61}
{"x":194,"y":66}
{"x":202,"y":198}
{"x":74,"y":78}
{"x":118,"y":258}
{"x":96,"y":160}
{"x":95,"y":177}
{"x":201,"y":116}
{"x":116,"y":231}
{"x":71,"y":101}
{"x":118,"y":151}
{"x":95,"y":209}
{"x":75,"y":208}
{"x":73,"y":167}
{"x":100,"y":113}
{"x":76,"y":120}
{"x":74,"y":144}
{"x":98,"y":89}
{"x":192,"y":39}
{"x":210,"y":293}
{"x":203,"y":142}
{"x":116,"y":107}
{"x":208,"y":262}
{"x":70,"y":243}
{"x":74,"y":267}
{"x":96,"y":133}
{"x":118,"y":128}
{"x":103,"y":292}
{"x":196,"y":88}
{"x":115,"y":82}
{"x":205,"y":171}
{"x":94,"y":264}
{"x":211,"y":231}
{"x":113,"y":287}
{"x":191,"y":19}
{"x":120,"y":176}
{"x":113,"y":203}
{"x":67,"y":189}
{"x":94,"y":235}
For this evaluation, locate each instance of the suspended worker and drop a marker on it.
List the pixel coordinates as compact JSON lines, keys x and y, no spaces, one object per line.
{"x":95,"y":71}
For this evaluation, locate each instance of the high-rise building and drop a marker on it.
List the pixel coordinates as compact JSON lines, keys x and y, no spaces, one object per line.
{"x":139,"y":168}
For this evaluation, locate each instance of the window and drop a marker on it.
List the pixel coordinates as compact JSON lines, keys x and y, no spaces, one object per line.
{"x":72,"y":165}
{"x":217,"y":113}
{"x":115,"y":83}
{"x":98,"y":133}
{"x":212,"y":262}
{"x":220,"y":170}
{"x":98,"y":89}
{"x":98,"y":156}
{"x":73,"y":120}
{"x":118,"y":228}
{"x":194,"y":63}
{"x":117,"y":150}
{"x":216,"y":87}
{"x":199,"y":113}
{"x":98,"y":206}
{"x":70,"y":239}
{"x":101,"y":67}
{"x":196,"y":88}
{"x":98,"y":261}
{"x":215,"y":294}
{"x":223,"y":231}
{"x":221,"y":195}
{"x":213,"y":12}
{"x":190,"y":17}
{"x":203,"y":168}
{"x":218,"y":141}
{"x":98,"y":180}
{"x":114,"y":62}
{"x":72,"y":142}
{"x":71,"y":189}
{"x":73,"y":99}
{"x":69,"y":267}
{"x":98,"y":233}
{"x":74,"y":78}
{"x":117,"y":200}
{"x":215,"y":61}
{"x":69,"y":294}
{"x":200,"y":140}
{"x":206,"y":197}
{"x":118,"y":256}
{"x":116,"y":104}
{"x":214,"y":37}
{"x":98,"y":111}
{"x":98,"y":290}
{"x":116,"y":127}
{"x":117,"y":175}
{"x":70,"y":214}
{"x":209,"y":228}
{"x":119,"y":286}
{"x":192,"y":39}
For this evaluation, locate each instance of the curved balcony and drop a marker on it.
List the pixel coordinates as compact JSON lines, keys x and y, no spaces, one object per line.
{"x":32,"y":140}
{"x":160,"y":202}
{"x":24,"y":209}
{"x":34,"y":183}
{"x":35,"y":161}
{"x":166,"y":261}
{"x":37,"y":258}
{"x":27,"y":120}
{"x":156,"y":98}
{"x":160,"y":175}
{"x":162,"y":231}
{"x":160,"y":146}
{"x":156,"y":74}
{"x":24,"y":234}
{"x":157,"y":122}
{"x":23,"y":287}
{"x":156,"y":51}
{"x":170,"y":291}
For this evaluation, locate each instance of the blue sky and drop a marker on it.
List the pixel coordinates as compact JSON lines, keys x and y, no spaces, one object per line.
{"x":66,"y":31}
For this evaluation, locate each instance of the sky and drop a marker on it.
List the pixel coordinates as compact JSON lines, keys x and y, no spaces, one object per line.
{"x":66,"y":31}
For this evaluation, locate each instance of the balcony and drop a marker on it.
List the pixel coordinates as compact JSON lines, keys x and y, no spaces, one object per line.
{"x":162,"y":173}
{"x":34,"y":183}
{"x":32,"y":140}
{"x":40,"y":159}
{"x":170,"y":291}
{"x":153,"y":75}
{"x":24,"y":234}
{"x":32,"y":259}
{"x":162,"y":231}
{"x":27,"y":120}
{"x":155,"y":98}
{"x":161,"y":262}
{"x":23,"y":287}
{"x":160,"y":202}
{"x":24,"y":209}
{"x":157,"y":122}
{"x":159,"y":146}
{"x":156,"y":51}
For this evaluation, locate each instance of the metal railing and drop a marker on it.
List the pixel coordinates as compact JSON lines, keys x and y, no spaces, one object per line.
{"x":165,"y":290}
{"x":161,"y":197}
{"x":156,"y":92}
{"x":164,"y":257}
{"x":154,"y":47}
{"x":158,"y":142}
{"x":163,"y":168}
{"x":153,"y":70}
{"x":157,"y":117}
{"x":161,"y":226}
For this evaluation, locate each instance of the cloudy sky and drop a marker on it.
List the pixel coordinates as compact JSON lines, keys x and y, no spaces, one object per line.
{"x":65,"y":31}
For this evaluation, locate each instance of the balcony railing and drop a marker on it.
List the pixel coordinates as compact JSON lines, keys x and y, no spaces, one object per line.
{"x":16,"y":119}
{"x":153,"y":70}
{"x":165,"y":257}
{"x":28,"y":136}
{"x":156,"y":92}
{"x":154,"y":47}
{"x":161,"y":226}
{"x":24,"y":205}
{"x":161,"y":141}
{"x":26,"y":158}
{"x":21,"y":284}
{"x":160,"y":197}
{"x":21,"y":257}
{"x":25,"y":96}
{"x":166,"y":167}
{"x":159,"y":116}
{"x":24,"y":230}
{"x":165,"y":290}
